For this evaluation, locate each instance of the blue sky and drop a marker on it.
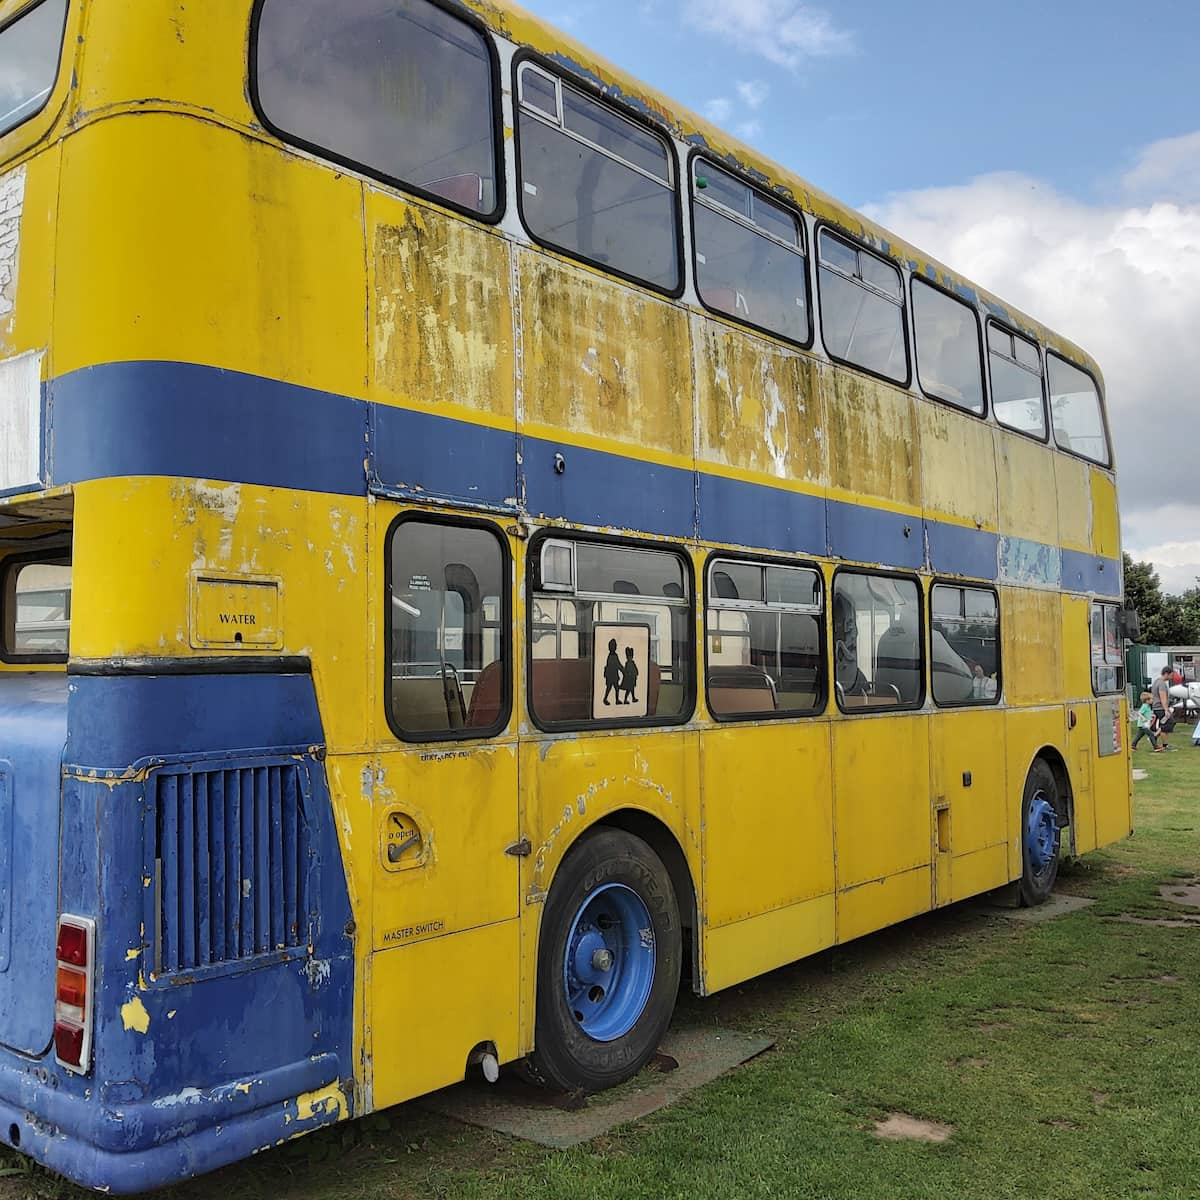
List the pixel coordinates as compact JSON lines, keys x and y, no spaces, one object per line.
{"x":1051,"y":151}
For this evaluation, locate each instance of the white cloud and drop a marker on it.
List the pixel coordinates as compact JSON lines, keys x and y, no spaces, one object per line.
{"x":1167,"y":170}
{"x":719,"y":109}
{"x":783,"y":32}
{"x":1122,"y":280}
{"x":753,"y":93}
{"x":748,"y":130}
{"x":1177,"y":564}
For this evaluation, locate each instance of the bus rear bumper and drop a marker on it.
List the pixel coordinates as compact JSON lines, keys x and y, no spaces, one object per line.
{"x":126,"y":1148}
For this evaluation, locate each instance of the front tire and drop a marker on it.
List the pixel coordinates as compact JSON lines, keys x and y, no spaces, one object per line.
{"x":608,"y":964}
{"x":1041,"y":835}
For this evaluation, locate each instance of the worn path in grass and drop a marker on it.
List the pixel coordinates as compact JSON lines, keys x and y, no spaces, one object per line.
{"x":1063,"y":1055}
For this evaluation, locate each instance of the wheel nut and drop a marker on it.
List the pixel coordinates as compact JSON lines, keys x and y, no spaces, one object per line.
{"x":602,"y":960}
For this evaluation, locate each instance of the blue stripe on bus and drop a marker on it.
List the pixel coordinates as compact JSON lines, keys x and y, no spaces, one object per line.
{"x":875,"y":535}
{"x":1089,"y":573}
{"x":422,"y":454}
{"x":955,"y":550}
{"x":598,"y":488}
{"x":190,"y":421}
{"x":770,"y":518}
{"x":194,"y":422}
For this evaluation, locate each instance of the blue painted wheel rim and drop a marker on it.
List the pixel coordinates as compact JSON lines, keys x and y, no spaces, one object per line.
{"x":608,"y":963}
{"x":1041,"y":833}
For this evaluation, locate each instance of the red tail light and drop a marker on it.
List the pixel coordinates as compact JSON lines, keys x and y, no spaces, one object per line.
{"x":75,"y":949}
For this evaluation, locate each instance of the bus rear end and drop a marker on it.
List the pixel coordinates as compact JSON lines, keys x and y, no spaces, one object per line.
{"x":176,"y":940}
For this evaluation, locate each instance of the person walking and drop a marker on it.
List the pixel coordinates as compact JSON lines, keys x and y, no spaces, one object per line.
{"x":1146,"y":722}
{"x":1160,"y":704}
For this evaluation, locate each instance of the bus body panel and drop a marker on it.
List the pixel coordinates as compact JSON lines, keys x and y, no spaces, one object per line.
{"x":173,"y":832}
{"x":970,"y":784}
{"x":767,"y":777}
{"x":33,"y":729}
{"x":882,"y":821}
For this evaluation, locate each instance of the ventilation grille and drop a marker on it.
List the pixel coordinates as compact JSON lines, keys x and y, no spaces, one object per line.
{"x":231,"y":859}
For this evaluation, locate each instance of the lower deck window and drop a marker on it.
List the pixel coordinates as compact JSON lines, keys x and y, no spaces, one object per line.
{"x":763,"y":640}
{"x":876,"y":641}
{"x":610,"y":633}
{"x":448,"y":634}
{"x":36,"y":608}
{"x":1108,"y":657}
{"x":965,"y":645}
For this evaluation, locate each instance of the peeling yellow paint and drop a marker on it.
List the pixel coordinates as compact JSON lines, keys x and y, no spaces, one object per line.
{"x":131,"y":955}
{"x":327,"y":1102}
{"x":134,"y":1016}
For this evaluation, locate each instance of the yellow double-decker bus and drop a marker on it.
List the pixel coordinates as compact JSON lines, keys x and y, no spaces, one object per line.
{"x":477,"y":548}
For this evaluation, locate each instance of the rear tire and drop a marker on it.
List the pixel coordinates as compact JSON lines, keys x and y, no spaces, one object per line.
{"x":1041,"y":835}
{"x":608,"y":964}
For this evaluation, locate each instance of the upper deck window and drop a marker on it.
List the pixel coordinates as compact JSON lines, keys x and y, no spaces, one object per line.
{"x":749,"y":255}
{"x":949,"y":365}
{"x":30,"y":50}
{"x":1016,"y":371}
{"x":595,"y":184}
{"x":401,"y":89}
{"x":1075,"y":411}
{"x":862,"y":308}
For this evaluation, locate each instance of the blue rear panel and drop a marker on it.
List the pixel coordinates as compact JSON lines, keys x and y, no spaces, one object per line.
{"x":33,"y":727}
{"x":197,"y":830}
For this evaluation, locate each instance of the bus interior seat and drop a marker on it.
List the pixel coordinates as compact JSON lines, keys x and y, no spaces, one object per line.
{"x":562,"y":689}
{"x":723,"y":587}
{"x":464,"y":190}
{"x":426,"y":703}
{"x":486,"y":697}
{"x":670,"y":699}
{"x":896,"y":665}
{"x":740,"y":690}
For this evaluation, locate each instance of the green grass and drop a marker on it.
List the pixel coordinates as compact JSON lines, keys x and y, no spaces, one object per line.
{"x":1064,"y":1055}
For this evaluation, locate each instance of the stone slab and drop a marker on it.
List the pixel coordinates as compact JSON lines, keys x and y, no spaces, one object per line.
{"x":1056,"y":906}
{"x":520,"y":1110}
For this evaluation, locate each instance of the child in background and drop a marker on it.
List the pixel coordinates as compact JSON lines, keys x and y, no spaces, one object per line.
{"x":1147,"y":725}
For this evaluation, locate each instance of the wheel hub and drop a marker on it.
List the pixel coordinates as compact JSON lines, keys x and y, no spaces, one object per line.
{"x":608,"y":964}
{"x":1041,"y":833}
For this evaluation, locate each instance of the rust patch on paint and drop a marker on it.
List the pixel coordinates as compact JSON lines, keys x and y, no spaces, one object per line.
{"x":603,"y":359}
{"x":442,"y":314}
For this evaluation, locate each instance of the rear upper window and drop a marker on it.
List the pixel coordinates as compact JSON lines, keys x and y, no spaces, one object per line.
{"x":36,"y":609}
{"x":595,"y":184}
{"x":402,"y":89}
{"x":1075,"y":411}
{"x":30,"y":50}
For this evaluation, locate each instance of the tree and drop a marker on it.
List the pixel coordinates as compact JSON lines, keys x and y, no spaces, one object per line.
{"x":1143,"y":593}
